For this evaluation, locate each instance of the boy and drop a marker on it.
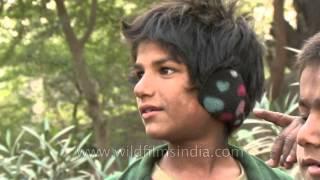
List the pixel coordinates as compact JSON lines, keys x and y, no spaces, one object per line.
{"x":308,"y":134}
{"x":197,"y":74}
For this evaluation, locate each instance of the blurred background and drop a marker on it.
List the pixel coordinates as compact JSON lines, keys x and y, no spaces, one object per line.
{"x":66,"y":107}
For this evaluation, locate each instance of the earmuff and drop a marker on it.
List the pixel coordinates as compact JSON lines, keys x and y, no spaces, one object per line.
{"x":224,"y":96}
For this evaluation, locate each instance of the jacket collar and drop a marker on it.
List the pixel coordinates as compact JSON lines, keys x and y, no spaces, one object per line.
{"x":251,"y":164}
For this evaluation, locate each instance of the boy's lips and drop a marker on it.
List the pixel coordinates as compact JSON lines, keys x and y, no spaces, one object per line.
{"x":147,"y":111}
{"x":312,"y":166}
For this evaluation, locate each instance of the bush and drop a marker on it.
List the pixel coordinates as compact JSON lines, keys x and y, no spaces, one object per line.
{"x":33,"y":155}
{"x":257,"y":136}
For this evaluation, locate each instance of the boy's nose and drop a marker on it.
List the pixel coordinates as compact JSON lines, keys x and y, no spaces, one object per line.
{"x":144,"y":87}
{"x":309,"y":134}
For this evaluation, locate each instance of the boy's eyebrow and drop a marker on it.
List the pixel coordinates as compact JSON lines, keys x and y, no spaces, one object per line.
{"x":163,"y":60}
{"x":137,"y":66}
{"x":156,"y":62}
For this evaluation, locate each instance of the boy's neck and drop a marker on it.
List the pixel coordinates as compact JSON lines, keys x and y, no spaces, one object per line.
{"x":205,"y":157}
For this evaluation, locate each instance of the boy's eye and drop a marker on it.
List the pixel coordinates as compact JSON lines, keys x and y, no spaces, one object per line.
{"x":139,"y":74}
{"x":304,"y":112}
{"x":304,"y":117}
{"x":166,"y":70}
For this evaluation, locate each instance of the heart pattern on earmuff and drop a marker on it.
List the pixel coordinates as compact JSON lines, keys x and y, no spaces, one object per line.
{"x":224,"y":96}
{"x":223,"y":86}
{"x":213,"y":104}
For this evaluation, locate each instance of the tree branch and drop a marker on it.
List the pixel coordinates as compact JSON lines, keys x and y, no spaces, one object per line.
{"x":92,"y":21}
{"x":65,"y":20}
{"x":1,"y":6}
{"x":308,"y":15}
{"x":281,"y":58}
{"x":294,"y":39}
{"x":76,"y":104}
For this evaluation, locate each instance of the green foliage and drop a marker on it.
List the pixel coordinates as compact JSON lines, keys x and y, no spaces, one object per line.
{"x":257,"y":136}
{"x":47,"y":155}
{"x":33,"y":47}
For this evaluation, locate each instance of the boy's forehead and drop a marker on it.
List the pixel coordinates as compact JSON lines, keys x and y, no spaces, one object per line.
{"x":310,"y":85}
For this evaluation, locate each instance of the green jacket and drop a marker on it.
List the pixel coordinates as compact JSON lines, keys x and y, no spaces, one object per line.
{"x":255,"y":168}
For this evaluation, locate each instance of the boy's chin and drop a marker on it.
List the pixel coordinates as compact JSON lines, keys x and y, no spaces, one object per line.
{"x":159,"y":135}
{"x":154,"y":134}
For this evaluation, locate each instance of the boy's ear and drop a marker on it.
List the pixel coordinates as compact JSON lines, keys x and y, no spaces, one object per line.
{"x":224,"y":96}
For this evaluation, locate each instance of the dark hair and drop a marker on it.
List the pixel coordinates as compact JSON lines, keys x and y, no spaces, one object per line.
{"x":206,"y":36}
{"x":310,"y":52}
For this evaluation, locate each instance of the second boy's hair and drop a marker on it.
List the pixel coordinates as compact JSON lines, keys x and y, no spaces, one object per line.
{"x":310,"y":52}
{"x":206,"y":36}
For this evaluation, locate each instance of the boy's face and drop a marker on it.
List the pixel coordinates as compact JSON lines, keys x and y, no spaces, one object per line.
{"x":308,"y":150}
{"x":167,"y":104}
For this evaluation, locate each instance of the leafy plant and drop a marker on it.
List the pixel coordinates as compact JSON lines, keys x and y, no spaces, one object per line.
{"x":256,"y":135}
{"x":34,"y":155}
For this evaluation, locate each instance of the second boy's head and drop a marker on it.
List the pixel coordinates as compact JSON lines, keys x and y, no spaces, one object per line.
{"x":308,"y":150}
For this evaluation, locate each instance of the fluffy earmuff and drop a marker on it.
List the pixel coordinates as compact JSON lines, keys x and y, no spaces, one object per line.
{"x":224,"y":96}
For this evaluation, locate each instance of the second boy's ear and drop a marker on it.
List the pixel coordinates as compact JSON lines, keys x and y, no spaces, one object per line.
{"x":224,"y":96}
